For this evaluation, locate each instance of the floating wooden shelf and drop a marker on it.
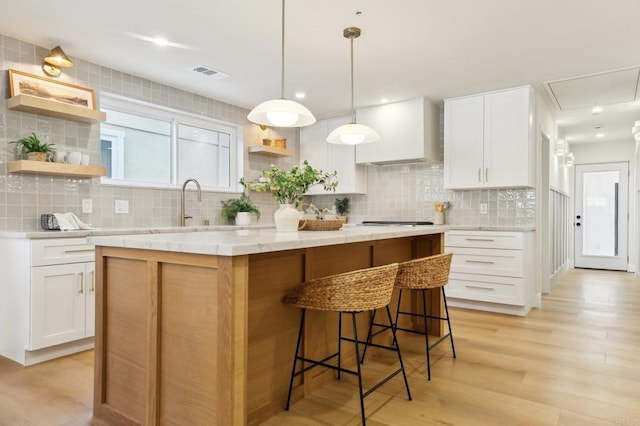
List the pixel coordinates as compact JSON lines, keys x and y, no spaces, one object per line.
{"x":270,"y":150}
{"x":35,"y":105}
{"x":62,"y":169}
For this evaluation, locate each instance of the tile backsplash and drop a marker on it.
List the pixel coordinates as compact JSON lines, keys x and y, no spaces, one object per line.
{"x":400,"y":192}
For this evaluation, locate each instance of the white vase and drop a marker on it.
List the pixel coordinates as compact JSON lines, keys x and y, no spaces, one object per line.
{"x":243,"y":218}
{"x":286,"y":218}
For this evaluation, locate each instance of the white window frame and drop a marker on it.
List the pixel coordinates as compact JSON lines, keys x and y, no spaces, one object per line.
{"x":175,"y":117}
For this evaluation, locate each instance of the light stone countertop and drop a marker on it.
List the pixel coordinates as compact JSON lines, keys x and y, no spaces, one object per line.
{"x":124,"y":231}
{"x":250,"y":241}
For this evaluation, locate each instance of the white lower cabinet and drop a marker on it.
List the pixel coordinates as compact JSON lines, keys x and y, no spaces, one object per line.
{"x":47,"y":298}
{"x":492,"y":271}
{"x":62,"y":304}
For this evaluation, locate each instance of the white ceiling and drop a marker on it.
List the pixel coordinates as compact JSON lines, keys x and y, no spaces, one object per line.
{"x":408,"y":48}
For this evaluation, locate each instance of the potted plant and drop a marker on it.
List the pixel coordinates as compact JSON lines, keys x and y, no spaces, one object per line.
{"x":342,"y":207}
{"x":239,"y":209}
{"x":289,"y":187}
{"x":34,"y":148}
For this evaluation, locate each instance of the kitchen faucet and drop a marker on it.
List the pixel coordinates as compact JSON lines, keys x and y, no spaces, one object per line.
{"x":183,"y":216}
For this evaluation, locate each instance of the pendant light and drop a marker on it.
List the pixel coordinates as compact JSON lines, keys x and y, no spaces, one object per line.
{"x":281,"y":112}
{"x":352,"y":133}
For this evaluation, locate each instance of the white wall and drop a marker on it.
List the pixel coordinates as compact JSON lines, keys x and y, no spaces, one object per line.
{"x":610,"y":152}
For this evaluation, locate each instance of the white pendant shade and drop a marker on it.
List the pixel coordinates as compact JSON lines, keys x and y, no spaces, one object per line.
{"x":353,"y":134}
{"x":281,"y":113}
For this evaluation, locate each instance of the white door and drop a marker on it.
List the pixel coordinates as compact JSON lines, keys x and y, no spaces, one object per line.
{"x":601,"y":216}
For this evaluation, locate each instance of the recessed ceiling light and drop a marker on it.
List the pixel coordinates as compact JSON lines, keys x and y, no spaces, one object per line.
{"x":300,"y":95}
{"x":384,"y":100}
{"x":596,"y":110}
{"x":599,"y":135}
{"x":160,"y":41}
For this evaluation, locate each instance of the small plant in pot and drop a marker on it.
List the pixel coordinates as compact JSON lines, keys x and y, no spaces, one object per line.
{"x":240,"y":209}
{"x":342,"y":207}
{"x":34,"y":148}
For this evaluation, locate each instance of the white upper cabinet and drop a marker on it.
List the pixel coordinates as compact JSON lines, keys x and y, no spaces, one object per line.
{"x":409,"y":131}
{"x":352,"y":178}
{"x":488,"y":140}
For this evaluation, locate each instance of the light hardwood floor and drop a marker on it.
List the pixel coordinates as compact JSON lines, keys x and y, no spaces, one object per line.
{"x":576,"y":361}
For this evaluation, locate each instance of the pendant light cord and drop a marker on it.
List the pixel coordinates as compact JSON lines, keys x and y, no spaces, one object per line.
{"x":353,"y":108}
{"x":282,"y":63}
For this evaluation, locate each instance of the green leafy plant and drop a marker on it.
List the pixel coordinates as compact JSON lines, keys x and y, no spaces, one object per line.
{"x":33,"y":144}
{"x":342,"y":205}
{"x":289,"y":186}
{"x":231,"y":208}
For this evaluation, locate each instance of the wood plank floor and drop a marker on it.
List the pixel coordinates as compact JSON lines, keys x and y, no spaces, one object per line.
{"x":576,"y":361}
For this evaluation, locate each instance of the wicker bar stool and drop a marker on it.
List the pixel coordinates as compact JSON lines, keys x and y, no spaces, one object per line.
{"x":420,"y":274}
{"x":347,"y":293}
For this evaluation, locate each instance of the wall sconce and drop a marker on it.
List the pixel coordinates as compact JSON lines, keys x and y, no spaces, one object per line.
{"x":55,"y":59}
{"x":635,"y":130}
{"x":569,"y":159}
{"x":562,"y":147}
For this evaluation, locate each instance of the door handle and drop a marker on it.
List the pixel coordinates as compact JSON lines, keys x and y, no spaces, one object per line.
{"x":486,"y":174}
{"x":81,"y":274}
{"x":93,"y":281}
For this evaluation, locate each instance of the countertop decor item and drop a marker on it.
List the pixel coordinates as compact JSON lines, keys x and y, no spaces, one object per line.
{"x":35,"y":148}
{"x":320,"y":225}
{"x":289,"y":187}
{"x":440,"y":208}
{"x":342,"y":207}
{"x":232,"y":208}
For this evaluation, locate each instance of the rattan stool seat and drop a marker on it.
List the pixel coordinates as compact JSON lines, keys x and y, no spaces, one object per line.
{"x":356,"y":291}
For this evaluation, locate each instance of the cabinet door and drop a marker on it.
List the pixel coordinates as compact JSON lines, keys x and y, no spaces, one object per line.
{"x":463,"y":142}
{"x":342,"y":159}
{"x":90,"y":299}
{"x":57,"y":304}
{"x":314,"y":148}
{"x":507,"y":124}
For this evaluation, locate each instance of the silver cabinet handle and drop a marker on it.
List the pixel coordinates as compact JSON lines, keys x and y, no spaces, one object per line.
{"x":479,"y":239}
{"x":486,"y":174}
{"x":479,"y":175}
{"x":93,"y":281}
{"x":81,"y":274}
{"x":479,"y":287}
{"x":480,"y":261}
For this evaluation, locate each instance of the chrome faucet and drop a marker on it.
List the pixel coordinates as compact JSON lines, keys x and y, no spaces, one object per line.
{"x":183,"y":216}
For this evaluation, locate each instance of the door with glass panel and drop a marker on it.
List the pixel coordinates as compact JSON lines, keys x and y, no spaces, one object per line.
{"x":601,"y":216}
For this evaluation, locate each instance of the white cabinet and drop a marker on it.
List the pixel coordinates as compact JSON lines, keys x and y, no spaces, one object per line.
{"x":409,"y":131}
{"x":62,"y":304}
{"x":488,"y":140}
{"x":352,"y":178}
{"x":47,"y":294}
{"x":492,"y":271}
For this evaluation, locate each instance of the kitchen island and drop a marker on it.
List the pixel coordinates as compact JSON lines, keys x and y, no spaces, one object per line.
{"x":191,"y":328}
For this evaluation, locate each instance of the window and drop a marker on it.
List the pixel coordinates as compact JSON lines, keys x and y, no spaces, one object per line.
{"x":148,"y":145}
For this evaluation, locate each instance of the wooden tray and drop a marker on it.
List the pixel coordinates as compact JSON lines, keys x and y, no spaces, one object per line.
{"x":320,"y":225}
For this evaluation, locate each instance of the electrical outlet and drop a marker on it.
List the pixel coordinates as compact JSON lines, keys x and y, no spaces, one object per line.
{"x":122,"y":206}
{"x":483,"y":208}
{"x":87,"y":205}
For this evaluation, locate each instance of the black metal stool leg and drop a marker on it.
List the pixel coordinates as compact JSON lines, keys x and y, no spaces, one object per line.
{"x":369,"y":337}
{"x":404,"y":374}
{"x":426,"y":331}
{"x":395,"y":324}
{"x":446,"y":310}
{"x":339,"y":342}
{"x":295,"y":358}
{"x":355,"y":342}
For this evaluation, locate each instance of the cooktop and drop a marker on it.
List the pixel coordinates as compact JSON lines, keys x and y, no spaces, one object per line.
{"x":395,"y":222}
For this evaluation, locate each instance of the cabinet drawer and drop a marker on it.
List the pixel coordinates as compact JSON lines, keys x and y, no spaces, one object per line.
{"x":61,"y":250}
{"x":506,"y":290}
{"x":485,"y":239}
{"x":487,"y":262}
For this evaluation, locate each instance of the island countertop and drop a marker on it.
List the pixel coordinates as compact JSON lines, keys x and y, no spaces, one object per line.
{"x":253,"y":241}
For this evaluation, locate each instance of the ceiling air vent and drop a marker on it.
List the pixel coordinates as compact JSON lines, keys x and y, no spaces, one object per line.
{"x":210,"y":72}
